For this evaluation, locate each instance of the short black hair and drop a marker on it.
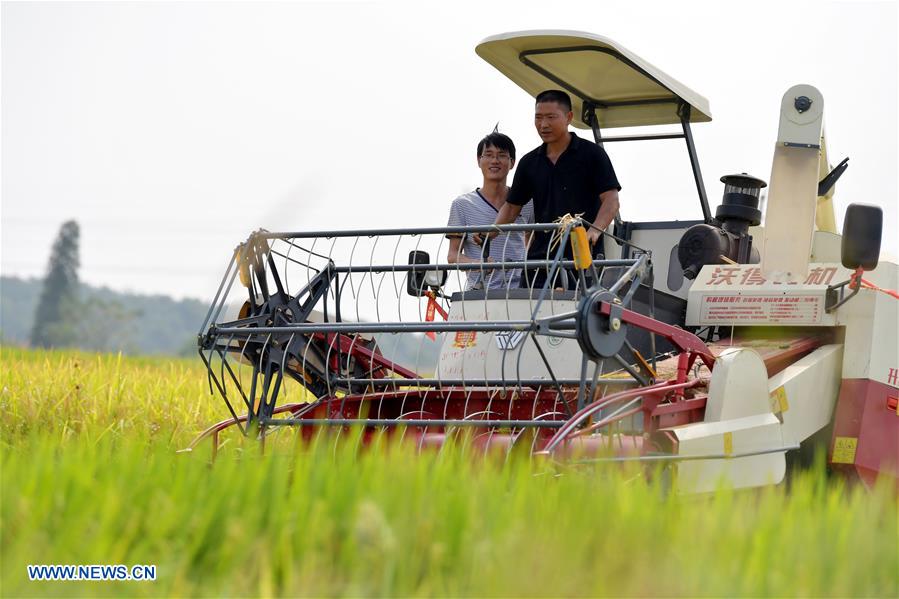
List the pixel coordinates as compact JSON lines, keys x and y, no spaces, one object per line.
{"x":499,"y":141}
{"x":557,"y":96}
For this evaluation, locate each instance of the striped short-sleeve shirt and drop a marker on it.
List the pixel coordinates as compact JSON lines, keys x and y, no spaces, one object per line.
{"x":471,"y":210}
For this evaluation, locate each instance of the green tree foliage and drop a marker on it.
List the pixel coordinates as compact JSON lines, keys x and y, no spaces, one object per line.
{"x":53,"y":321}
{"x":108,"y":320}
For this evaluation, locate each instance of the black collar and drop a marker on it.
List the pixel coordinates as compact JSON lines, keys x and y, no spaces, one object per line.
{"x":572,"y":145}
{"x":486,"y":201}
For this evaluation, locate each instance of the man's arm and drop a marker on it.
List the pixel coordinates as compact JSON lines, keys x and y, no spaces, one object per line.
{"x":455,"y":250}
{"x":507,"y":214}
{"x":457,"y":219}
{"x":455,"y":254}
{"x":607,"y":211}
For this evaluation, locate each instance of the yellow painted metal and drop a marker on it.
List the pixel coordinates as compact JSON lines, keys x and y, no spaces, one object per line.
{"x":728,"y":443}
{"x":779,"y":403}
{"x":580,"y":246}
{"x":844,"y":450}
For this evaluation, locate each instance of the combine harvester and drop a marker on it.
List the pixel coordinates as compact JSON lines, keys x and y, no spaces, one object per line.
{"x":716,"y":345}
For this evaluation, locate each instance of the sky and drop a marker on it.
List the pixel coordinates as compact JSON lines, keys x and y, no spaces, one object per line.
{"x":170,"y":131}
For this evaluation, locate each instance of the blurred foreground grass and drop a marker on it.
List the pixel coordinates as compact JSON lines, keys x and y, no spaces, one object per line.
{"x":89,"y":476}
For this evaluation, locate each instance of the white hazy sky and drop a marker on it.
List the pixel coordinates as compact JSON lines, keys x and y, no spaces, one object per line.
{"x":169,"y":131}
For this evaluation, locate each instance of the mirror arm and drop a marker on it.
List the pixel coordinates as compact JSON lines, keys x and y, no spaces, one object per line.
{"x":833,"y":301}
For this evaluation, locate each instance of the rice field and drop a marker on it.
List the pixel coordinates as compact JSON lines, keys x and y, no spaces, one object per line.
{"x":90,"y":475}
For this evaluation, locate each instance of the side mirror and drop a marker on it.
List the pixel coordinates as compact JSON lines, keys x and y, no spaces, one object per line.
{"x":420,"y":281}
{"x":862,"y":230}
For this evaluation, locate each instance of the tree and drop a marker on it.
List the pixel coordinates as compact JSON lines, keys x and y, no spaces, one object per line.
{"x":54,"y":323}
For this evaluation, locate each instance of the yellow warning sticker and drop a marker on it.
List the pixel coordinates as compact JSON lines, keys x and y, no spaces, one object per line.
{"x":844,"y":450}
{"x":728,"y":444}
{"x":778,"y":399}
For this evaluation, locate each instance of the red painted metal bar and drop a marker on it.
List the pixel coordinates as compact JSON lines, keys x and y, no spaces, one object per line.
{"x":683,"y":340}
{"x":681,"y":406}
{"x":683,"y":411}
{"x":349,"y":344}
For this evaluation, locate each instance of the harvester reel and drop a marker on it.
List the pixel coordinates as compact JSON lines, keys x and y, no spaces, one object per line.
{"x":301,"y":333}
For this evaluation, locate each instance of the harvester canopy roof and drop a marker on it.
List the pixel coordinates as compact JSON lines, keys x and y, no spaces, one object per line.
{"x":624,"y":89}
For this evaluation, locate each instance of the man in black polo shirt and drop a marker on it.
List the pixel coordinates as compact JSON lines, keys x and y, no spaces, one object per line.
{"x":565,"y":175}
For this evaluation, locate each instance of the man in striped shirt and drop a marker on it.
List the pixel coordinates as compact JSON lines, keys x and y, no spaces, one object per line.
{"x":496,"y":157}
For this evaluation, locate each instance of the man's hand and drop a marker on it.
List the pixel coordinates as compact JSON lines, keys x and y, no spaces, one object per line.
{"x":593,"y":235}
{"x":507,"y":214}
{"x":480,"y":238}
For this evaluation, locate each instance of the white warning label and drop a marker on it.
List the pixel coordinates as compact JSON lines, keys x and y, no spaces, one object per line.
{"x":761,"y":309}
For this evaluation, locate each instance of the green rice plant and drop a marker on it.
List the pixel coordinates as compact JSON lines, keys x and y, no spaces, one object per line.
{"x":325,"y":519}
{"x":73,"y":394}
{"x":69,"y":394}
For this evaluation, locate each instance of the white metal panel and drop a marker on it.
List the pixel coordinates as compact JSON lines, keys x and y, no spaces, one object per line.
{"x":804,"y":394}
{"x":826,"y":247}
{"x":790,"y":213}
{"x":739,"y":386}
{"x":730,"y":437}
{"x":858,"y":316}
{"x":871,"y":319}
{"x":478,"y":355}
{"x":883,"y":366}
{"x":797,"y":126}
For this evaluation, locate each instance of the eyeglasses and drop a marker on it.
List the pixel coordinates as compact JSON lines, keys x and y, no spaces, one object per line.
{"x":502,"y":156}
